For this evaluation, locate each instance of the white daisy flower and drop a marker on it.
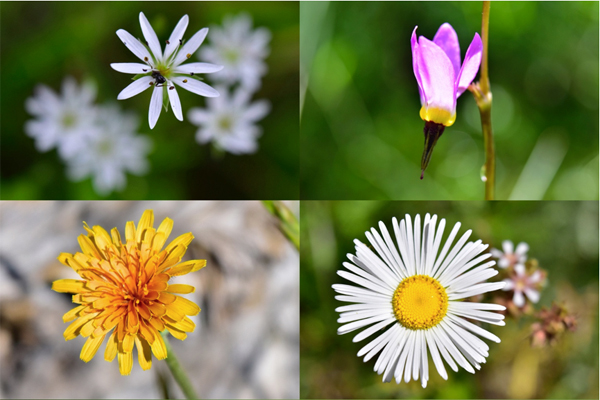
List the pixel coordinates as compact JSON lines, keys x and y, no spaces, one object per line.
{"x":240,"y":49}
{"x":417,"y":294}
{"x":115,"y":149}
{"x":522,"y":283}
{"x":164,"y":70}
{"x":511,"y":257}
{"x":229,"y":121}
{"x":63,"y":120}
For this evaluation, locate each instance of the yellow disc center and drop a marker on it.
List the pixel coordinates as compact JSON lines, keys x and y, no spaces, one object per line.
{"x":420,"y":302}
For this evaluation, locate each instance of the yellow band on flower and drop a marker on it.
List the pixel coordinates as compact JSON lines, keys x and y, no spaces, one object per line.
{"x":437,"y":115}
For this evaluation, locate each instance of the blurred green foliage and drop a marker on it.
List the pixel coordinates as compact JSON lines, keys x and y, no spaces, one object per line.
{"x":44,"y":42}
{"x":361,"y":135}
{"x":563,"y":237}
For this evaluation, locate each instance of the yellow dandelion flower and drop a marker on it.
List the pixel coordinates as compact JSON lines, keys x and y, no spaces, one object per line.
{"x":125,"y":287}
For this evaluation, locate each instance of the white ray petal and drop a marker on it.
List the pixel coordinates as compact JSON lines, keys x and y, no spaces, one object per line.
{"x":195,"y":86}
{"x":155,"y":106}
{"x":136,"y":87}
{"x":176,"y":37}
{"x":134,"y":45}
{"x":150,"y":37}
{"x":190,"y":47}
{"x":197,"y":68}
{"x":130,"y":68}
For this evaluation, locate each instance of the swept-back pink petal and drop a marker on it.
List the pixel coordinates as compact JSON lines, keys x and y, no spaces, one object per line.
{"x":470,"y":66}
{"x":437,"y":77}
{"x":447,"y":39}
{"x":415,"y":57}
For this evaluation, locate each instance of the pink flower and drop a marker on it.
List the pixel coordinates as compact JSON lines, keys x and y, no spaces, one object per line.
{"x":522,"y":283}
{"x":441,"y":80}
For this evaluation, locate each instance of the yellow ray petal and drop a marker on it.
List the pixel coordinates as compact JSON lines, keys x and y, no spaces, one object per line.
{"x":183,"y":240}
{"x":165,"y":228}
{"x":116,"y":237}
{"x":158,"y":347}
{"x":68,"y":260}
{"x":128,"y":343}
{"x":186,"y":267}
{"x":101,"y":238}
{"x":186,"y":306}
{"x":174,"y":313}
{"x":91,"y":347}
{"x":144,"y":353}
{"x":73,"y":330}
{"x":125,"y":363}
{"x":74,"y":313}
{"x":146,"y":222}
{"x":88,"y":247}
{"x":181,"y":288}
{"x":178,"y":334}
{"x":158,"y":241}
{"x":111,"y":347}
{"x":68,"y":286}
{"x":185,"y":325}
{"x":129,"y":231}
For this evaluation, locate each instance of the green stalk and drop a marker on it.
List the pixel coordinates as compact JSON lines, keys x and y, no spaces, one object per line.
{"x":483,"y":96}
{"x":288,"y":222}
{"x":177,"y":370}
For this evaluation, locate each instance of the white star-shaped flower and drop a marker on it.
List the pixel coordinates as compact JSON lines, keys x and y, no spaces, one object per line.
{"x":240,"y":49}
{"x":229,"y":121}
{"x":64,"y":120}
{"x":165,"y":69}
{"x":115,"y":148}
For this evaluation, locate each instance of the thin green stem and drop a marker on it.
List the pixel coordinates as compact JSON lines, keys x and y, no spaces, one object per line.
{"x":483,"y":97}
{"x":288,"y":223}
{"x":177,"y":370}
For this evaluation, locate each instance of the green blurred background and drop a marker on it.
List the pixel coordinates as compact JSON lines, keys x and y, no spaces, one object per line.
{"x":44,"y":42}
{"x":563,"y":237}
{"x":361,"y":135}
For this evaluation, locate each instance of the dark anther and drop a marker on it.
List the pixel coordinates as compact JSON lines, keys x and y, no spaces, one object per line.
{"x":167,"y":42}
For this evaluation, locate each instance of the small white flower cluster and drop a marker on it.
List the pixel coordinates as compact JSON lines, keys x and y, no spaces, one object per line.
{"x":93,"y":140}
{"x":229,"y":121}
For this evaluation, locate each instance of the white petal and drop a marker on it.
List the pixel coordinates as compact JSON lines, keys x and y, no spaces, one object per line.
{"x":134,"y":45}
{"x":435,"y":355}
{"x":520,"y":269}
{"x":176,"y":36}
{"x":435,"y":334}
{"x":374,"y":346}
{"x":510,"y":285}
{"x":135,"y":87}
{"x":508,"y":247}
{"x":150,"y":37}
{"x":199,"y":116}
{"x":198,"y":68}
{"x":190,"y":46}
{"x":474,"y":328}
{"x":496,"y":253}
{"x":155,"y":106}
{"x":522,"y":249}
{"x":195,"y":86}
{"x":366,"y":283}
{"x":519,"y":299}
{"x":533,"y":295}
{"x":175,"y":102}
{"x":372,"y":329}
{"x":130,"y":68}
{"x":445,"y":249}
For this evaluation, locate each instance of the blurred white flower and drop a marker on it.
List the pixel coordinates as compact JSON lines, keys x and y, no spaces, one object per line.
{"x":511,"y":257}
{"x":229,"y":121}
{"x":165,"y":69}
{"x":114,"y":149}
{"x":522,"y":283}
{"x":240,"y":49}
{"x":63,"y":120}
